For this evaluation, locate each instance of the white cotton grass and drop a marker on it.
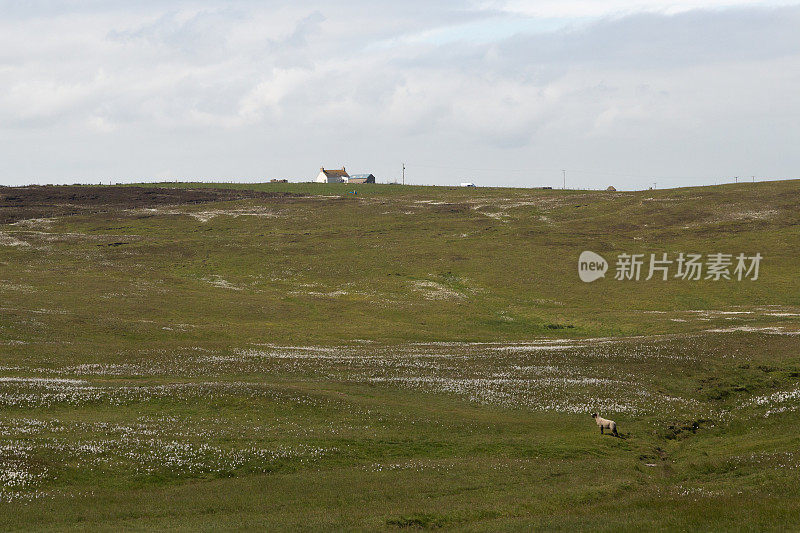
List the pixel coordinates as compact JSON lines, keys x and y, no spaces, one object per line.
{"x":779,"y":402}
{"x":563,"y":376}
{"x":151,"y":446}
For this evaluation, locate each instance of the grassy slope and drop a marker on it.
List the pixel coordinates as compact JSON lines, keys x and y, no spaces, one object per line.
{"x":521,"y":266}
{"x":395,"y":265}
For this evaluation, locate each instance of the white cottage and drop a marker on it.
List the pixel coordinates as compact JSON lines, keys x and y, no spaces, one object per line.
{"x":332,"y":176}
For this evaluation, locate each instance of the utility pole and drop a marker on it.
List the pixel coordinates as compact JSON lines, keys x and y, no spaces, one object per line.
{"x":564,"y":173}
{"x":736,"y":179}
{"x":404,"y":173}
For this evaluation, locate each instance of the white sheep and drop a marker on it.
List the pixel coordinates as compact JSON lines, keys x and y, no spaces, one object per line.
{"x":605,"y":424}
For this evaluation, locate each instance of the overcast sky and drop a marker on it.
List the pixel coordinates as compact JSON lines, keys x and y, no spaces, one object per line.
{"x":497,"y":92}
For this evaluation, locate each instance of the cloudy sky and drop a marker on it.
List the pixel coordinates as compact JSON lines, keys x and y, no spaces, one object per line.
{"x":499,"y":92}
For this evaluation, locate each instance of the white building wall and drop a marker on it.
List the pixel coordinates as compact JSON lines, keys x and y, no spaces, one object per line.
{"x":322,"y":178}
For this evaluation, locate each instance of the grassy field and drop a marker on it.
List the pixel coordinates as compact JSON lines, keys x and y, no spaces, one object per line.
{"x":297,"y":356}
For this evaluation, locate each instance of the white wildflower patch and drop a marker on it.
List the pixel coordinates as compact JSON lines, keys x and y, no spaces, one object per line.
{"x":44,"y":382}
{"x":548,"y":375}
{"x":15,"y":478}
{"x":257,"y":211}
{"x":782,"y":409}
{"x":7,"y":239}
{"x":785,"y":460}
{"x":47,"y":392}
{"x":164,"y":447}
{"x":697,"y":492}
{"x":533,"y":347}
{"x":495,"y":215}
{"x":432,"y":290}
{"x":770,"y":330}
{"x":776,"y":397}
{"x":573,"y":376}
{"x":34,"y":223}
{"x":739,"y":314}
{"x":777,"y":403}
{"x":218,"y":281}
{"x":544,"y":374}
{"x":6,"y":285}
{"x":330,"y":294}
{"x":18,"y":471}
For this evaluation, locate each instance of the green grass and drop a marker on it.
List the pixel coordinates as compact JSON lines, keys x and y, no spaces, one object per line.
{"x":308,"y":363}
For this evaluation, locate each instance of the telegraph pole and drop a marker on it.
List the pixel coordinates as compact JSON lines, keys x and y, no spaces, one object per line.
{"x":564,"y":174}
{"x":404,"y":173}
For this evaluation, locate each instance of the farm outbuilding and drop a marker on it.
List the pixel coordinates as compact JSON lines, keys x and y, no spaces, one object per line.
{"x":361,"y":178}
{"x":332,"y":176}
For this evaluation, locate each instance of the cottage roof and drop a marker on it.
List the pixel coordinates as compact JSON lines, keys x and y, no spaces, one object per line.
{"x":335,"y":173}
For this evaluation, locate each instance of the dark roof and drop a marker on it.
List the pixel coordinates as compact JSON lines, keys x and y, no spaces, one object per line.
{"x":361,"y":176}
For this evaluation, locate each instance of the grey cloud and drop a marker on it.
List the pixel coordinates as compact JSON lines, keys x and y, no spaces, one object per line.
{"x":696,"y":37}
{"x":258,"y":88}
{"x":645,"y":41}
